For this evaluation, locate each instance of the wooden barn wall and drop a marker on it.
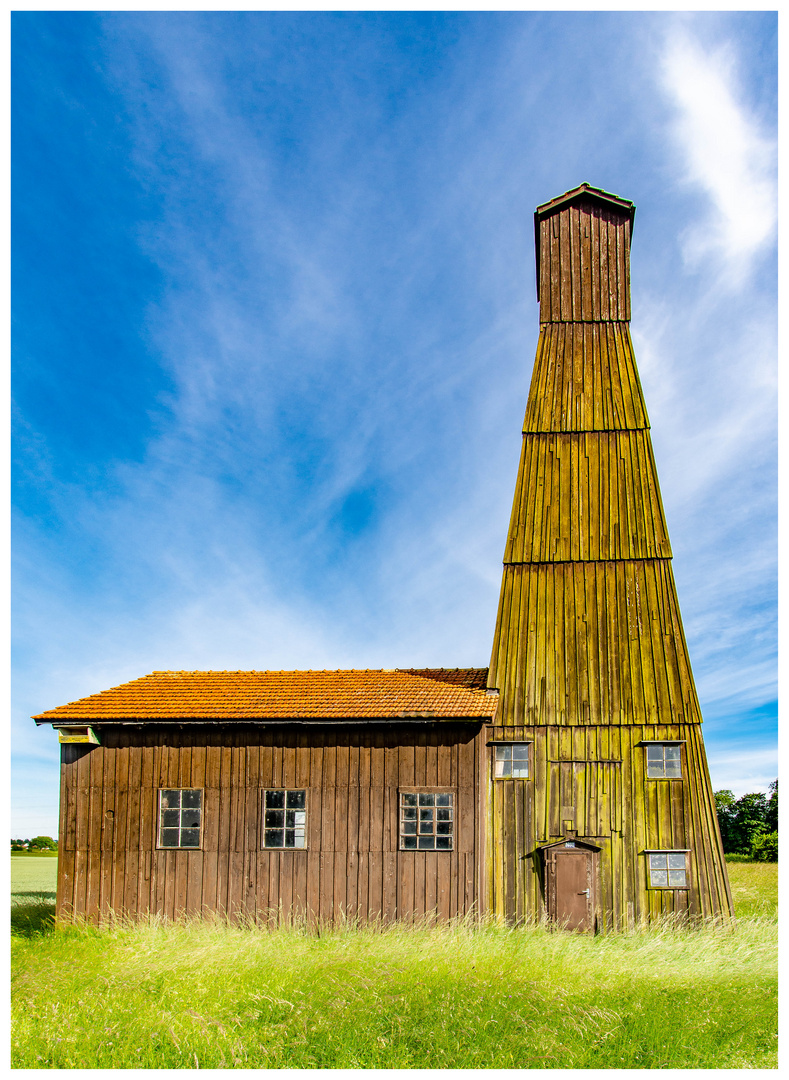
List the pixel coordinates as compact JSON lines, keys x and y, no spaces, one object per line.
{"x":591,"y":643}
{"x":584,"y":264}
{"x":351,"y":867}
{"x":593,"y":781}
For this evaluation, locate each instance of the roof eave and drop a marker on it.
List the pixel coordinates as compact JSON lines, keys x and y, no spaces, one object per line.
{"x":138,"y":721}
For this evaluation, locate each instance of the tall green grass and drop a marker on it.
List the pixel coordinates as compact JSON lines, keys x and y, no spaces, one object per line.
{"x":214,"y":995}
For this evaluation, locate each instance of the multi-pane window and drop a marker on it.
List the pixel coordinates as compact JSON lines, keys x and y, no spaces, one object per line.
{"x":668,"y":870}
{"x":427,"y":821}
{"x":285,"y":818}
{"x":180,"y":817}
{"x":511,"y":760}
{"x":663,"y":760}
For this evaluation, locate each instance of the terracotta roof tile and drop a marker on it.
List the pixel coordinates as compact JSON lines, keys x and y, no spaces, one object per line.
{"x":281,"y":695}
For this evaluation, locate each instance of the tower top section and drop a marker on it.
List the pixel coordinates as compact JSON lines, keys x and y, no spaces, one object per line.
{"x":582,"y":248}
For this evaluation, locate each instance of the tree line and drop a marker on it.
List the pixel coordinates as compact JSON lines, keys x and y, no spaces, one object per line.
{"x":38,"y":843}
{"x":749,"y":825}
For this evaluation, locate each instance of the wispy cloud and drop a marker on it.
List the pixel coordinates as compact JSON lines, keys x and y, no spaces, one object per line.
{"x":726,"y":155}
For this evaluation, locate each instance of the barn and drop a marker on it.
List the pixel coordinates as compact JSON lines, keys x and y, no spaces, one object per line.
{"x":568,"y":781}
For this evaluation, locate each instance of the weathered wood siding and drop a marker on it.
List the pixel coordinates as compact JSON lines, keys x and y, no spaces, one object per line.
{"x":351,"y":867}
{"x":591,"y":782}
{"x":589,"y":653}
{"x":584,"y":270}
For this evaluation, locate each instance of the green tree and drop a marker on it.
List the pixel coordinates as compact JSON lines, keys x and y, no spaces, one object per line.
{"x":765,"y":847}
{"x":771,"y":820}
{"x":743,"y":821}
{"x":43,"y":843}
{"x":724,"y":807}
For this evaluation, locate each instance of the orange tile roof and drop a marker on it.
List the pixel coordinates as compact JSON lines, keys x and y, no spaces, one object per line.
{"x":285,"y":695}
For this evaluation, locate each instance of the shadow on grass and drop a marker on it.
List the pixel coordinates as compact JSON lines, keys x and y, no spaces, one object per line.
{"x":32,"y":914}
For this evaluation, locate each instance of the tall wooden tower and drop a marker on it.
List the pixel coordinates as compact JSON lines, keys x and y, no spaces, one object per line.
{"x":609,"y":816}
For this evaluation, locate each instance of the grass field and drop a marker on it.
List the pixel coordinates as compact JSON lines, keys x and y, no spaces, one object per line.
{"x":211,"y":995}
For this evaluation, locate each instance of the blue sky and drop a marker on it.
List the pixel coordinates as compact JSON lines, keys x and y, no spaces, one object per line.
{"x":274,"y":321}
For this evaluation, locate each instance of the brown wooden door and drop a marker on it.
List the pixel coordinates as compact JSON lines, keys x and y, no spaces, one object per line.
{"x":571,"y":900}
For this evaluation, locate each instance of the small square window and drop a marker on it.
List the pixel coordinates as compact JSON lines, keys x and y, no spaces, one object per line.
{"x":668,"y":870}
{"x":284,"y":818}
{"x":427,"y":821}
{"x":511,"y":761}
{"x":664,"y":761}
{"x":180,"y":817}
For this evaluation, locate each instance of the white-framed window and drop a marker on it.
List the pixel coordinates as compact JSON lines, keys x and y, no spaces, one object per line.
{"x":664,"y":761}
{"x":285,"y":818}
{"x":668,"y":869}
{"x":180,"y":817}
{"x":511,"y":761}
{"x":427,"y":820}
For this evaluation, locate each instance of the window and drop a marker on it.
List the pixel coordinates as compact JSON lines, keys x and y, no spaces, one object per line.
{"x":511,"y":760}
{"x":180,"y":817}
{"x":668,"y":870}
{"x":427,"y":821}
{"x":285,"y":819}
{"x":663,"y":760}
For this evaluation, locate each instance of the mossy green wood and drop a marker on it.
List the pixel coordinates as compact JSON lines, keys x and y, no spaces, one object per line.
{"x":589,"y":653}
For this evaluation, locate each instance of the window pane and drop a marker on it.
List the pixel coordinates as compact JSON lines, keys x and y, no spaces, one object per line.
{"x":426,"y":842}
{"x":520,"y":771}
{"x":297,"y":800}
{"x":409,"y":799}
{"x":521,"y":752}
{"x":409,"y":827}
{"x":425,"y":814}
{"x":273,"y":838}
{"x":443,"y":800}
{"x":444,"y":815}
{"x":190,"y":838}
{"x":444,"y":828}
{"x":289,"y":838}
{"x":299,"y":839}
{"x":190,"y":819}
{"x":655,"y":754}
{"x":171,"y":818}
{"x":169,"y":837}
{"x":409,"y":813}
{"x":502,"y":767}
{"x":427,"y":799}
{"x":658,"y":861}
{"x":444,"y":843}
{"x":275,"y":799}
{"x":676,"y":862}
{"x":673,"y":770}
{"x":191,"y":798}
{"x":275,"y":819}
{"x":677,"y":878}
{"x":409,"y":842}
{"x":170,"y":798}
{"x":300,"y":818}
{"x":659,"y":877}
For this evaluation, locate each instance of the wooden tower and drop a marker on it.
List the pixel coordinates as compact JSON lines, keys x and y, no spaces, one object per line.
{"x":610,"y":819}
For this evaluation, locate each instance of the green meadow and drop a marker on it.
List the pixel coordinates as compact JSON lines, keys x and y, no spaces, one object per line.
{"x":216,"y":995}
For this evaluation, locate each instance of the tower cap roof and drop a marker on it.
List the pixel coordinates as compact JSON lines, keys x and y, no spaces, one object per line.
{"x":583,"y":193}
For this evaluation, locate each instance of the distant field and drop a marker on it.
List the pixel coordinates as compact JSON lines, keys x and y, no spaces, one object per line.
{"x":33,"y":874}
{"x":213,"y":995}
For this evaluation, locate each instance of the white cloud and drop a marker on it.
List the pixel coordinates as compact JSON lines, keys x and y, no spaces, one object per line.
{"x":744,"y":771}
{"x":726,"y":155}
